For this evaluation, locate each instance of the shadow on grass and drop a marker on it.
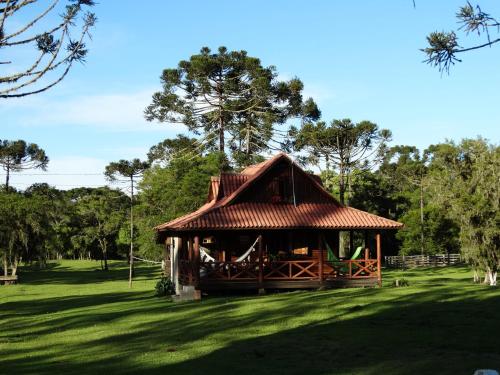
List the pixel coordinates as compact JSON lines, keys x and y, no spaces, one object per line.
{"x":55,"y":273}
{"x":445,"y":330}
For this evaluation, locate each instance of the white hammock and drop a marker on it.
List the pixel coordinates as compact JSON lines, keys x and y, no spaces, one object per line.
{"x":248,"y":252}
{"x":205,"y":257}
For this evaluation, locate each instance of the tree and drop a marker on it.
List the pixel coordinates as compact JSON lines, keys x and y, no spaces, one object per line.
{"x":443,"y":46}
{"x":102,"y":213}
{"x":18,"y":155}
{"x":228,"y":94}
{"x":174,"y":148}
{"x":56,"y":50}
{"x":170,"y":191}
{"x":342,"y":145}
{"x":24,"y":222}
{"x":131,"y":170}
{"x":406,"y":169}
{"x":465,"y":182}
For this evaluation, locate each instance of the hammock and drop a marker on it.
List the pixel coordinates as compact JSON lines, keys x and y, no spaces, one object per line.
{"x":343,"y":266}
{"x":332,"y":258}
{"x":248,"y":252}
{"x":208,"y":259}
{"x":205,"y":257}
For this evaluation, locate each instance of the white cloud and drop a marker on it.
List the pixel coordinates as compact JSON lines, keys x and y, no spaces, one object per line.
{"x":114,"y":111}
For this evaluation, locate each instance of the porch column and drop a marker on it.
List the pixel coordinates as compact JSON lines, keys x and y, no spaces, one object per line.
{"x":367,"y":246}
{"x":320,"y":248}
{"x":190,"y":260}
{"x":196,"y":261}
{"x":379,"y":259}
{"x":351,"y":243}
{"x":175,"y":249}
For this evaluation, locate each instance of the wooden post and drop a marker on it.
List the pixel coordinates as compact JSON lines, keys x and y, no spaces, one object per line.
{"x":320,"y":266}
{"x":379,"y":259}
{"x":190,"y":260}
{"x":196,"y":261}
{"x":261,"y":266}
{"x":367,"y":246}
{"x":351,"y":243}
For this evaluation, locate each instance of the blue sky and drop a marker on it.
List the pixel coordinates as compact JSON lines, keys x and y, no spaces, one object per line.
{"x":357,"y":59}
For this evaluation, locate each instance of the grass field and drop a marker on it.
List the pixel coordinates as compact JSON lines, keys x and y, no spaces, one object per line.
{"x":74,"y":319}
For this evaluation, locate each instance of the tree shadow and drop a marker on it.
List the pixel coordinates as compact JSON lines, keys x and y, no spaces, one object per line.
{"x":55,"y":273}
{"x":418,"y":332}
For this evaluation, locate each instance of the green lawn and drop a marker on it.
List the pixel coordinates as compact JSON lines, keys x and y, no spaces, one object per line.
{"x":74,"y":319}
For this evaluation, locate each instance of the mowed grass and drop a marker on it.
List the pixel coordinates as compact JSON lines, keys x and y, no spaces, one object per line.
{"x":74,"y":319}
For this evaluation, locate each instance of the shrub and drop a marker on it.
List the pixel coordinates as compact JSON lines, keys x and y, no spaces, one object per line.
{"x":164,"y":287}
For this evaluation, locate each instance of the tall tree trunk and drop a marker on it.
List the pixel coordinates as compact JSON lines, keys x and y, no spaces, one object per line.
{"x":221,"y":135}
{"x":221,"y":119}
{"x":422,"y":249}
{"x":7,"y":177}
{"x":341,"y":183}
{"x":248,"y":142}
{"x":131,"y":269}
{"x":105,"y":256}
{"x":5,"y":265}
{"x":14,"y":266}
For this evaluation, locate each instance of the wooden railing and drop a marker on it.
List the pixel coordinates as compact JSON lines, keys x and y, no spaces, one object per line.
{"x":351,"y":269}
{"x":291,"y":270}
{"x":229,"y":270}
{"x":286,"y":270}
{"x":410,"y":261}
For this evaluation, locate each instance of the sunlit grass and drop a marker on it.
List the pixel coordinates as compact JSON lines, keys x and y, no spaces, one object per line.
{"x":73,"y":318}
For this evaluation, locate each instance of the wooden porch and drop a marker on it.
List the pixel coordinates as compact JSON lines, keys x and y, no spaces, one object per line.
{"x":263,"y":271}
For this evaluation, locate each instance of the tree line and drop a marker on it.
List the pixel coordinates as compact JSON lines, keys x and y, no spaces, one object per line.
{"x":238,"y":111}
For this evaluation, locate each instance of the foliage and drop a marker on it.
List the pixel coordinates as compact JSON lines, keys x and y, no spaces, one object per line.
{"x":171,"y":191}
{"x":440,"y":232}
{"x":229,"y":94}
{"x":129,"y":169}
{"x":102,"y":213}
{"x":342,"y":146}
{"x":164,"y":287}
{"x":465,"y":182}
{"x":56,"y":47}
{"x":23,"y":233}
{"x":444,"y":47}
{"x":18,"y":155}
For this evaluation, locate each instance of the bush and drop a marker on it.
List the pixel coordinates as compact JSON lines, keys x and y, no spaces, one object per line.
{"x":164,"y":287}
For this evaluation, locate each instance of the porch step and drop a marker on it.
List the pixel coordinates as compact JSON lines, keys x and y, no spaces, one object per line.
{"x":187,"y":293}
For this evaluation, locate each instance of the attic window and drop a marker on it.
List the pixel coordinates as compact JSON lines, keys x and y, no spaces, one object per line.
{"x":279,"y":190}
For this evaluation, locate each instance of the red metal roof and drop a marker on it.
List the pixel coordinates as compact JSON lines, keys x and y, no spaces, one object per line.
{"x":227,"y":213}
{"x":231,"y":182}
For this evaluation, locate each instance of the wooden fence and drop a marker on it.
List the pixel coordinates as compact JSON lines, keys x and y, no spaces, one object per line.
{"x":410,"y":261}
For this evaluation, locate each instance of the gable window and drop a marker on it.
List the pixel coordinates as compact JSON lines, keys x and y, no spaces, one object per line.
{"x":279,"y":189}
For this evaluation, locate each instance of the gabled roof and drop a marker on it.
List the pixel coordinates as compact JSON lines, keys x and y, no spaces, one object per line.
{"x":224,"y":211}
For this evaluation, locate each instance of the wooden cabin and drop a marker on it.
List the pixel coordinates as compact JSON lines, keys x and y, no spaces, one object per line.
{"x":274,"y":226}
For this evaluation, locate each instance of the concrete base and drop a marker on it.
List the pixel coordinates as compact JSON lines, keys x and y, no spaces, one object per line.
{"x":261,"y":291}
{"x":187,"y":293}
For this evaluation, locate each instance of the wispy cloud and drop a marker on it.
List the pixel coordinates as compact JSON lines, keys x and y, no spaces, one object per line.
{"x":112,"y":111}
